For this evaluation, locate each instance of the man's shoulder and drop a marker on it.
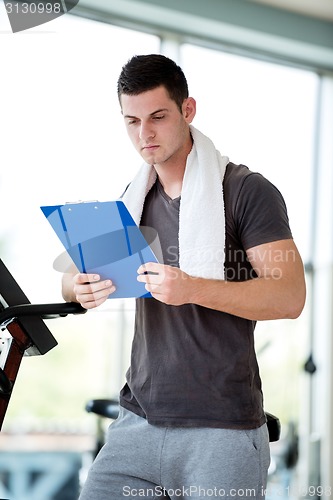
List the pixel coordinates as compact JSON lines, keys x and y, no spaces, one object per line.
{"x":240,"y":184}
{"x":234,"y":178}
{"x":236,"y":174}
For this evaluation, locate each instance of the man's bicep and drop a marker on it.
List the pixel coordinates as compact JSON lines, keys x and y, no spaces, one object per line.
{"x":278,"y":259}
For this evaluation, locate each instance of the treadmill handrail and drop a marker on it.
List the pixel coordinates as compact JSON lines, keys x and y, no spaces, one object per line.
{"x":42,"y":310}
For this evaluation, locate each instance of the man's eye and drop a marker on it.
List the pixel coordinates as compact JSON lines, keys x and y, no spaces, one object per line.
{"x":131,"y":122}
{"x":158,"y":117}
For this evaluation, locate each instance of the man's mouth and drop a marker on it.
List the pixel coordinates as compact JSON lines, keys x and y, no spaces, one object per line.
{"x":150,"y":147}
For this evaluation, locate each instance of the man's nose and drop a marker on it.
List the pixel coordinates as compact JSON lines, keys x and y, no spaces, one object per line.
{"x":146,"y":132}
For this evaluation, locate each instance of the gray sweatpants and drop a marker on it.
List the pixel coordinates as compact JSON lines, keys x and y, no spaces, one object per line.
{"x":140,"y":460}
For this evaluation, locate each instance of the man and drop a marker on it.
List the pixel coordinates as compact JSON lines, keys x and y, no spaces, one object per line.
{"x":191,"y":418}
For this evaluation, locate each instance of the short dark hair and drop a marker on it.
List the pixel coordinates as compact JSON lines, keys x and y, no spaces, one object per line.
{"x":147,"y":72}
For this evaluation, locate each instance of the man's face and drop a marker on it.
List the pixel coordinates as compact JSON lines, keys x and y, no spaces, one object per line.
{"x":157,"y":128}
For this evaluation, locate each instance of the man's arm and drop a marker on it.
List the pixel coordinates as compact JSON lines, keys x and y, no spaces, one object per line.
{"x":67,"y":287}
{"x":278,"y":291}
{"x":87,"y":289}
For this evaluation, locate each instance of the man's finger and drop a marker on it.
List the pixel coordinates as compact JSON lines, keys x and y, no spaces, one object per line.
{"x":150,"y":267}
{"x":87,"y":278}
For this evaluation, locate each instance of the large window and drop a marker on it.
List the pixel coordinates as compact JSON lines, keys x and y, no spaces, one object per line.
{"x":261,"y":115}
{"x":63,"y":139}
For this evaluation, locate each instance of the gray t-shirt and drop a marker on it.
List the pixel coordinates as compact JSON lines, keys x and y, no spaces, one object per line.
{"x":192,"y":366}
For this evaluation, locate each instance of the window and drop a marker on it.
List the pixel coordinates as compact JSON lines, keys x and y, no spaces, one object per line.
{"x":263,"y":115}
{"x":63,"y":139}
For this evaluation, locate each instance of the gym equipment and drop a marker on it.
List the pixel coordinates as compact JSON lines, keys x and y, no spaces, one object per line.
{"x":23,"y":331}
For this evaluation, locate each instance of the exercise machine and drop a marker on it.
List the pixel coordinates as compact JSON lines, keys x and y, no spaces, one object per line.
{"x":23,"y":331}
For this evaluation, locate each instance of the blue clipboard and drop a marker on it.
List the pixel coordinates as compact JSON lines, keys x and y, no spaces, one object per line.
{"x":102,"y":238}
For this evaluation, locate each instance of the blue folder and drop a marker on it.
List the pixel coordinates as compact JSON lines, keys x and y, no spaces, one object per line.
{"x":102,"y":238}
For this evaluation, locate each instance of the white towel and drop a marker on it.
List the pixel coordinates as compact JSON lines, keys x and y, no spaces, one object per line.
{"x":201,"y":217}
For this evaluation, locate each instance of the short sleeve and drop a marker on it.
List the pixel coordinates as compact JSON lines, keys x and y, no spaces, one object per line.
{"x":260,"y":212}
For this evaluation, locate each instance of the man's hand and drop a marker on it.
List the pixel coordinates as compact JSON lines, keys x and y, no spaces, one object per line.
{"x":167,"y":284}
{"x":90,"y":291}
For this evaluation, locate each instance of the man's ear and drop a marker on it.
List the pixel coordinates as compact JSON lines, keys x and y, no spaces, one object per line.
{"x":189,"y":109}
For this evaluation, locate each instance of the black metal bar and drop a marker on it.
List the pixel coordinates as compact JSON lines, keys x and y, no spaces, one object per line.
{"x":42,"y":310}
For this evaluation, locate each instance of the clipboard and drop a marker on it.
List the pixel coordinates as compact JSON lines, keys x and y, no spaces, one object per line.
{"x":102,"y":238}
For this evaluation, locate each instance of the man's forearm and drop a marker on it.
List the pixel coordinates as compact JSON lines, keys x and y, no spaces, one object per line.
{"x":277,"y":293}
{"x":257,"y":299}
{"x":67,"y":288}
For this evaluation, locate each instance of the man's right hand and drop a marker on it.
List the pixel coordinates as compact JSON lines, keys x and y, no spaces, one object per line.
{"x":88,"y":289}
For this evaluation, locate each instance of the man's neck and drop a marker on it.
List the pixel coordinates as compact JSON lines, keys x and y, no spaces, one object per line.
{"x":171,"y":173}
{"x":171,"y":180}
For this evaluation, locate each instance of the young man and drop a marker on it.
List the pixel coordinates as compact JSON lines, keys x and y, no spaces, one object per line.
{"x":191,"y":420}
